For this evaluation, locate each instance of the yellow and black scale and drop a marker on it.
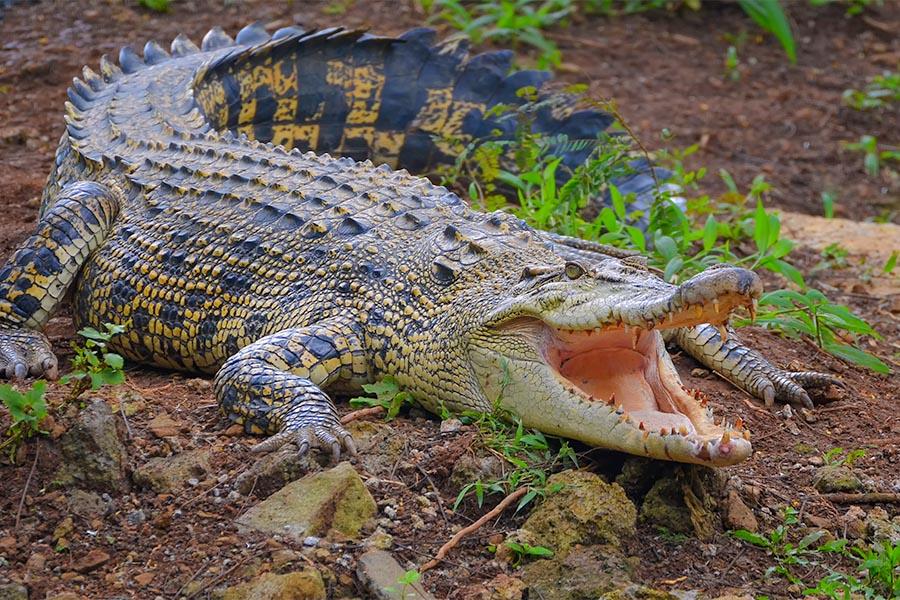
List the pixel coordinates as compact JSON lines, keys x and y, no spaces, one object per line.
{"x":182,"y":202}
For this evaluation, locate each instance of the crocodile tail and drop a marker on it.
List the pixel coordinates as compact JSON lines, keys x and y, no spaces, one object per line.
{"x":408,"y":101}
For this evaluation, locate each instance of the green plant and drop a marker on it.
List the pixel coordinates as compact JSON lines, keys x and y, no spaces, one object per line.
{"x":92,"y":366}
{"x":878,"y":569}
{"x":387,"y":395}
{"x":769,"y":15}
{"x":529,"y":453}
{"x":407,"y":579}
{"x":787,"y":554}
{"x":828,"y":199}
{"x":835,"y":457}
{"x":882,"y":91}
{"x":506,"y":21}
{"x":812,"y":314}
{"x":854,"y":7}
{"x":520,"y":551}
{"x":27,"y":411}
{"x":157,"y":5}
{"x":731,"y":64}
{"x":868,"y":145}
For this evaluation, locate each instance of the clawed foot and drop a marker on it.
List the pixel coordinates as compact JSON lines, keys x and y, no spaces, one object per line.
{"x":792,"y":387}
{"x":324,"y":435}
{"x":24,"y":352}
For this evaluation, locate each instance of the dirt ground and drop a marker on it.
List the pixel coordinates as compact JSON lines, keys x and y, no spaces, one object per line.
{"x":666,"y":71}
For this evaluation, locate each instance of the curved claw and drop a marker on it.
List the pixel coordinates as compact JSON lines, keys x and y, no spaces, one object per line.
{"x":24,"y":352}
{"x":324,"y":436}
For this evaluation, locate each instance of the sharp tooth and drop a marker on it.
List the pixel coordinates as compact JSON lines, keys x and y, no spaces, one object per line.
{"x":663,"y":431}
{"x":612,"y":400}
{"x":635,"y":336}
{"x":671,"y":318}
{"x":726,"y":437}
{"x":746,"y":434}
{"x":641,"y":425}
{"x":716,"y":305}
{"x":646,"y":435}
{"x":698,"y":310}
{"x":739,"y":424}
{"x":683,"y":430}
{"x":753,"y":304}
{"x":628,"y":418}
{"x":723,"y":331}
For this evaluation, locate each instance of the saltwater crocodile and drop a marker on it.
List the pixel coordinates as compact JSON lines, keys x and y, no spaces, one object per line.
{"x":181,"y":203}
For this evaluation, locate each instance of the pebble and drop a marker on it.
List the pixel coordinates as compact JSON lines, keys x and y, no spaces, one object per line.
{"x":310,"y":540}
{"x":91,"y":561}
{"x":451,"y":425}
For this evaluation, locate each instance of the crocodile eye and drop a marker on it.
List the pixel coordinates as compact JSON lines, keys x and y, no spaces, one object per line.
{"x":574,"y":270}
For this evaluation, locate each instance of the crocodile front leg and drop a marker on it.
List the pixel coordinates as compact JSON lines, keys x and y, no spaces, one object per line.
{"x":746,"y":368}
{"x":275,"y":385}
{"x":37,"y":276}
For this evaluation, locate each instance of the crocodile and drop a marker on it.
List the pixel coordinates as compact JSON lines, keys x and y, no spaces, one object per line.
{"x":195,"y":198}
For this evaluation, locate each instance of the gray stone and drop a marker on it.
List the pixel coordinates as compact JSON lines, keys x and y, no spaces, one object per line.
{"x":299,"y":585}
{"x":336,"y":500}
{"x":380,"y":448}
{"x":172,"y":473}
{"x":272,"y":471}
{"x":381,"y":574}
{"x":469,"y":468}
{"x":13,"y":591}
{"x":585,"y":572}
{"x":586,"y":510}
{"x":93,"y":456}
{"x":836,"y":478}
{"x":88,"y":504}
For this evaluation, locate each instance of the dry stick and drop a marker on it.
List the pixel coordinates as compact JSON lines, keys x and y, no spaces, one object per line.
{"x":363,"y":412}
{"x":866,"y":498}
{"x":37,"y":452}
{"x":471,"y":528}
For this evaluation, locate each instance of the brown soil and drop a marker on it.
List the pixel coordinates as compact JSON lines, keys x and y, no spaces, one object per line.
{"x":665,"y":71}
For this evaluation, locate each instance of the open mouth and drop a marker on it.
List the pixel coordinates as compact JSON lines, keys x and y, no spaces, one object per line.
{"x":625,"y":369}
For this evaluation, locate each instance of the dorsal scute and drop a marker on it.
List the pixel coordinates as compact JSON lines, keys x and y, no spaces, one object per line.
{"x":183,"y":46}
{"x":155,"y":54}
{"x":252,"y":34}
{"x":129,"y":60}
{"x":216,"y":38}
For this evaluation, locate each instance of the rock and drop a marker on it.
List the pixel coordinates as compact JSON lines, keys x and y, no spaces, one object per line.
{"x":836,"y":478}
{"x":93,"y":456}
{"x":91,"y":561}
{"x":36,"y":562}
{"x":380,"y":448}
{"x":88,"y":504}
{"x":273,"y":471}
{"x":585,"y":572}
{"x":587,"y":510}
{"x":737,"y":515}
{"x":381,"y":575}
{"x":171,"y":474}
{"x":144,"y":579}
{"x":299,"y":585}
{"x":336,"y":499}
{"x":162,"y":425}
{"x":469,"y":468}
{"x":501,"y":587}
{"x":685,"y":502}
{"x":880,"y":529}
{"x":7,"y":545}
{"x":451,"y":425}
{"x":13,"y":591}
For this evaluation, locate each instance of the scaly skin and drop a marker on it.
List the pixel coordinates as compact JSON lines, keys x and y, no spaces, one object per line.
{"x":289,"y":274}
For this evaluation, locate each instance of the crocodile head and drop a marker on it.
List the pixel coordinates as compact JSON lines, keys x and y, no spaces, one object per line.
{"x":579,"y":353}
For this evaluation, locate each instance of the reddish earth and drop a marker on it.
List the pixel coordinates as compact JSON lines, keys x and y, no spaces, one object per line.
{"x":666,"y":72}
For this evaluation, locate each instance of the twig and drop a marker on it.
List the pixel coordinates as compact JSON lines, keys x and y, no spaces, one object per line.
{"x":363,"y":412}
{"x":37,"y":452}
{"x":128,"y":433}
{"x":866,"y":498}
{"x":471,"y":528}
{"x":437,"y":493}
{"x":883,"y":442}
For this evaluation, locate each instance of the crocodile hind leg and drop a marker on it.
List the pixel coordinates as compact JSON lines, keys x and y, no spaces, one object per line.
{"x":275,"y":385}
{"x":36,"y":277}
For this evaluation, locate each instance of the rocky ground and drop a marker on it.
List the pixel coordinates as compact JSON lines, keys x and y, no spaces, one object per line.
{"x":143,"y":490}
